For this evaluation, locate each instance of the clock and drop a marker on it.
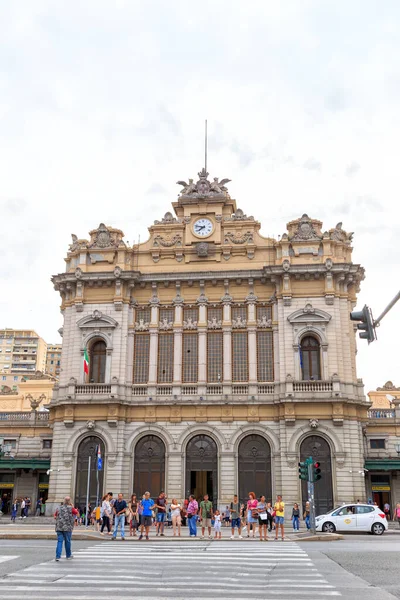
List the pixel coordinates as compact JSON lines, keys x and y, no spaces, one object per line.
{"x":203,"y":227}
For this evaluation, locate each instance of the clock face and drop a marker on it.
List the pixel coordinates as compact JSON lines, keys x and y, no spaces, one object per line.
{"x":203,"y":227}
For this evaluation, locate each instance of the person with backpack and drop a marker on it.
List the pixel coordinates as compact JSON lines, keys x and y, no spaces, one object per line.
{"x":236,"y":521}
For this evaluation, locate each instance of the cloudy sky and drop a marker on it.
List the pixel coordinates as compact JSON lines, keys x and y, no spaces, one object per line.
{"x":102,"y":105}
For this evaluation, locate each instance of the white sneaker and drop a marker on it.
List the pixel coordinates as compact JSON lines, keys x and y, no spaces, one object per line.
{"x":240,"y":537}
{"x":232,"y":537}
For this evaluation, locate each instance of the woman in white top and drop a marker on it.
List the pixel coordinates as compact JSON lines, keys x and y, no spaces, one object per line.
{"x":105,"y":513}
{"x":176,"y":516}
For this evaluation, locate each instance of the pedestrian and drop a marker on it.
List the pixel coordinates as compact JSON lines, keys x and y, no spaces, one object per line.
{"x":176,"y":517}
{"x":161,"y":505}
{"x":252,"y":514}
{"x":105,"y":514}
{"x":147,"y":504}
{"x":262,"y":519}
{"x":243,"y":517}
{"x":217,"y":525}
{"x":64,"y":525}
{"x":14,"y":510}
{"x":270,"y":511}
{"x":169,"y":517}
{"x":227,"y":516}
{"x":279,"y":508}
{"x":206,"y":514}
{"x":97,"y":517}
{"x":236,"y":521}
{"x":306,"y":516}
{"x":133,"y":509}
{"x":119,"y":509}
{"x":191,"y":511}
{"x":296,"y":517}
{"x":38,"y":507}
{"x":23,"y":516}
{"x":397,"y":513}
{"x":386,"y":510}
{"x":112,"y":502}
{"x":43,"y":508}
{"x":27,"y":506}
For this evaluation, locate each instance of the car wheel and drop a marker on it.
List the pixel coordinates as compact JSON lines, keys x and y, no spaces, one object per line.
{"x":378,"y":529}
{"x":328,"y":527}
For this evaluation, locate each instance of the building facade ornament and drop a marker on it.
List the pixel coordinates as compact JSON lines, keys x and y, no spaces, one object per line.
{"x":167,"y":241}
{"x":235,"y":237}
{"x":167,"y":219}
{"x":142,"y":325}
{"x":101,"y":238}
{"x":305,"y":231}
{"x":189,"y":323}
{"x":239,"y":323}
{"x":204,"y":188}
{"x":90,"y":425}
{"x":214,"y":323}
{"x":264,"y":323}
{"x":339,"y":235}
{"x":388,"y":387}
{"x":165,"y":325}
{"x":202,"y":249}
{"x":313,"y":423}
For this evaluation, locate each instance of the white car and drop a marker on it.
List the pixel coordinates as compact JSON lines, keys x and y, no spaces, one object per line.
{"x":353,"y":517}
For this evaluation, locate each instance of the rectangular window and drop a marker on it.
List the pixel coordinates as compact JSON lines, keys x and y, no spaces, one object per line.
{"x":141,"y":357}
{"x":239,"y":312}
{"x":190,"y":358}
{"x":215,"y":357}
{"x":240,"y":362}
{"x":264,"y":311}
{"x":265,"y":356}
{"x":378,"y":444}
{"x":16,"y":378}
{"x":165,"y":366}
{"x":143,"y":314}
{"x":167,"y":314}
{"x":215,"y":312}
{"x":12,"y":443}
{"x":47,"y":444}
{"x":191,"y":313}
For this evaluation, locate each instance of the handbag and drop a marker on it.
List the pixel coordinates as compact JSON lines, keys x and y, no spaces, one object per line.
{"x":263,"y":516}
{"x":254,"y":513}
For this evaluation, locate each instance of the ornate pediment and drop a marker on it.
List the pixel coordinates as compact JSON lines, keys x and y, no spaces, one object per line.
{"x":204,"y":188}
{"x":308,"y":314}
{"x":97,"y":320}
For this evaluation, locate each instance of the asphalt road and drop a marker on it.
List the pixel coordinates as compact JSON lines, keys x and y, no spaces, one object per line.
{"x":360,"y":567}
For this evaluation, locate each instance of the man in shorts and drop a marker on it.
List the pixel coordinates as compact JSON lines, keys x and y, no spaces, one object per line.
{"x":235,"y":517}
{"x":279,"y":508}
{"x":147,"y":514}
{"x":206,"y":514}
{"x":161,"y":505}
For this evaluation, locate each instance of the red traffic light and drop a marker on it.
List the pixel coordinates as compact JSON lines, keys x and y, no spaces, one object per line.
{"x":317,"y":465}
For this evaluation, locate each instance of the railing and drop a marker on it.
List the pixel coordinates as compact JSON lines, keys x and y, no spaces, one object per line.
{"x":313,"y":386}
{"x":93,"y":388}
{"x":216,"y":390}
{"x":240,"y":389}
{"x":164,"y":390}
{"x":266,"y":388}
{"x":189,"y":390}
{"x":381,"y":413}
{"x":24,"y":416}
{"x":138,"y":390}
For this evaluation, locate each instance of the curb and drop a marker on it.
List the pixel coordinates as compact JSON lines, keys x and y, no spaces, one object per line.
{"x":93,"y":537}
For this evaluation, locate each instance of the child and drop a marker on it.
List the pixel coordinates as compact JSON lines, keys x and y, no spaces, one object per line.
{"x":295,"y":517}
{"x":306,"y":515}
{"x":14,"y":510}
{"x":217,"y":525}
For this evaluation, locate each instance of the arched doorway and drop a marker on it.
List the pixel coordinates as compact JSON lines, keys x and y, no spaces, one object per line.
{"x":88,"y":447}
{"x":317,"y":447}
{"x":310,"y":358}
{"x":149,"y":467}
{"x":254,"y":467}
{"x":98,"y":357}
{"x":202,"y":468}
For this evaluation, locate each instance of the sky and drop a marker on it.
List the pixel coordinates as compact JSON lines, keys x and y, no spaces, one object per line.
{"x":102,"y":109}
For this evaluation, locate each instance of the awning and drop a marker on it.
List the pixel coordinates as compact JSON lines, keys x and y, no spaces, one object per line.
{"x":24,"y":463}
{"x":383,"y":464}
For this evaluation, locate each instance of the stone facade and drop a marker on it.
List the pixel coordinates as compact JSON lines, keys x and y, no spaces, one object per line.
{"x":280,"y":367}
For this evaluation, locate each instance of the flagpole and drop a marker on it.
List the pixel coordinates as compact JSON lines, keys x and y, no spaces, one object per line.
{"x":97,"y":478}
{"x":88,"y":492}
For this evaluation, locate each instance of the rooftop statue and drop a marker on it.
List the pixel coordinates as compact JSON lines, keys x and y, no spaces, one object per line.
{"x":204,"y":188}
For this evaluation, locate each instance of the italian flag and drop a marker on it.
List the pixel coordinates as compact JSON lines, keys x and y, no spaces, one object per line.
{"x":86,"y":362}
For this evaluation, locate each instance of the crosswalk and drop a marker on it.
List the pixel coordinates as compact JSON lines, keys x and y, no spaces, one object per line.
{"x":179,"y":570}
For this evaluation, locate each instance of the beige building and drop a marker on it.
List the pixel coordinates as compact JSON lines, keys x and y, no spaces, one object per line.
{"x":218,"y":358}
{"x":27,"y":438}
{"x":382,"y":445}
{"x":22,"y":352}
{"x":53,"y":360}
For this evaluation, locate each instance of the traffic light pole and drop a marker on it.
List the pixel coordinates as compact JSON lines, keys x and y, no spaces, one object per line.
{"x":389,"y":306}
{"x":310,"y":491}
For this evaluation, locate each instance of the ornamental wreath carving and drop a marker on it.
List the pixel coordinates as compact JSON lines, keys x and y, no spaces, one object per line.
{"x":204,"y":187}
{"x":189,"y":323}
{"x":214,"y":323}
{"x":167,"y":241}
{"x":142,"y":325}
{"x":239,"y":323}
{"x":165,"y":325}
{"x":264,"y":322}
{"x":237,"y":238}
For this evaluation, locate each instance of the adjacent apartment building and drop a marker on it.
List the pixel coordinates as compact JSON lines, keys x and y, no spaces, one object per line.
{"x":22,"y":352}
{"x":53,"y":360}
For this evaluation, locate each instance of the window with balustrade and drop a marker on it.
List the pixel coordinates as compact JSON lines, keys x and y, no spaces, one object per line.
{"x":265,"y":356}
{"x":215,"y":357}
{"x":310,"y":358}
{"x":240,"y":356}
{"x":141,"y":355}
{"x":165,"y":366}
{"x":190,"y":358}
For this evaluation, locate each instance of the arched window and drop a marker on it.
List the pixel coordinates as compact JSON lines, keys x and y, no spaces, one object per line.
{"x":254,"y":467}
{"x":310,"y":358}
{"x":149,"y":468}
{"x":98,"y":355}
{"x":202,"y":468}
{"x":88,"y":447}
{"x":317,"y":447}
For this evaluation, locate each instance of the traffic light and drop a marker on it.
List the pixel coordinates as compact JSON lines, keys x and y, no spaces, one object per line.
{"x":366,"y":326}
{"x":303,"y":471}
{"x":316,"y":471}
